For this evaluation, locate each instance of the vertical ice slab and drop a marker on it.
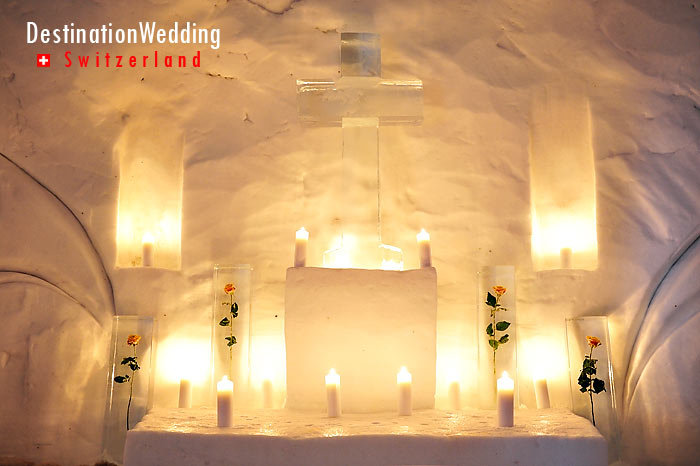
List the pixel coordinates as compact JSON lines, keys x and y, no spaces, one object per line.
{"x":360,"y":101}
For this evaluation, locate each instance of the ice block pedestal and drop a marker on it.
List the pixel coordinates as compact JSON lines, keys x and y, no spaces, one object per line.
{"x":281,"y":437}
{"x":366,"y":324}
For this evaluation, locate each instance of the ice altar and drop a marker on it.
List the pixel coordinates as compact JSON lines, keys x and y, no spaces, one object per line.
{"x":362,"y":325}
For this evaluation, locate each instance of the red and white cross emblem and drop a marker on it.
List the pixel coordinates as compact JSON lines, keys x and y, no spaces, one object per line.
{"x":43,"y":60}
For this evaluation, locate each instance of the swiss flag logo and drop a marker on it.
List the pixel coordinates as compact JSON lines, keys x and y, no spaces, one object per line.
{"x":43,"y":60}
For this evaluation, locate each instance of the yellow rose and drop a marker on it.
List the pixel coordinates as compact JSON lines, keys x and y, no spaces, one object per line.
{"x":500,"y":290}
{"x":133,"y":340}
{"x":229,"y":288}
{"x":593,"y":341}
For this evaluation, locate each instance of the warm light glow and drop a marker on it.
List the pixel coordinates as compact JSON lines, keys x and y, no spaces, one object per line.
{"x":562,"y":177}
{"x":149,"y":151}
{"x":267,"y":360}
{"x":337,"y":259}
{"x":423,"y":235}
{"x":332,"y":378}
{"x":505,"y":382}
{"x":452,"y":375}
{"x":543,"y":359}
{"x":302,"y":233}
{"x":148,"y":238}
{"x":539,"y":373}
{"x":404,"y":376}
{"x":224,"y":385}
{"x":392,"y":257}
{"x":391,"y":265}
{"x":554,"y":234}
{"x":183,"y":358}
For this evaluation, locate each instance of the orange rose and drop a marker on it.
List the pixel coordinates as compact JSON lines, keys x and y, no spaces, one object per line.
{"x":133,"y":340}
{"x":229,"y":288}
{"x":593,"y":341}
{"x":500,"y":290}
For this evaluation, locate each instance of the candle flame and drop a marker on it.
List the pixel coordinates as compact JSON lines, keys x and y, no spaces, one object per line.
{"x":403,"y":376}
{"x":302,"y":233}
{"x":148,"y":238}
{"x":423,"y":235}
{"x":332,"y":378}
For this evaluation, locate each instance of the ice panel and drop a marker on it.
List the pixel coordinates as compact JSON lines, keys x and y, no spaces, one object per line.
{"x":324,"y":102}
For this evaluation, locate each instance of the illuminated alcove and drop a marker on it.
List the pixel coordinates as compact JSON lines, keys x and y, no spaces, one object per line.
{"x":562,"y":180}
{"x":149,"y":218}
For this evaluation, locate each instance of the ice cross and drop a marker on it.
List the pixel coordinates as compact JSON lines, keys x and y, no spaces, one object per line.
{"x":360,"y":101}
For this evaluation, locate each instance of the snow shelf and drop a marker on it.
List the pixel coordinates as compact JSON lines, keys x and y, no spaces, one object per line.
{"x":190,"y":437}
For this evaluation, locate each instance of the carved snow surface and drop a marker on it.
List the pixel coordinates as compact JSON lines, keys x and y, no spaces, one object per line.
{"x":663,"y":380}
{"x":271,"y":437}
{"x":55,"y":308}
{"x":42,"y":238}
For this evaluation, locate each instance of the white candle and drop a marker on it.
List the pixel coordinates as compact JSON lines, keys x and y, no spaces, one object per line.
{"x":454,"y":396}
{"x":302,"y":240}
{"x":504,"y":400}
{"x":267,"y":393}
{"x":224,"y":402}
{"x":148,"y":245}
{"x":424,"y":254}
{"x":185,"y":394}
{"x":541,"y":392}
{"x":565,"y":256}
{"x":333,"y":393}
{"x":403,"y":384}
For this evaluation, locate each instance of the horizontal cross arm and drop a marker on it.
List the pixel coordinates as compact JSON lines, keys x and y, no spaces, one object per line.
{"x":324,"y":102}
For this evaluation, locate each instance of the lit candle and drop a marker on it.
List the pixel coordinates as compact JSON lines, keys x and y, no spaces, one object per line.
{"x":424,"y":249}
{"x":504,"y":400}
{"x":302,"y":240}
{"x":267,"y":393}
{"x":541,"y":392}
{"x":403,"y":383}
{"x":185,"y":394}
{"x":333,"y":393}
{"x":147,"y":243}
{"x":454,"y":396}
{"x":565,"y":256}
{"x":224,"y":402}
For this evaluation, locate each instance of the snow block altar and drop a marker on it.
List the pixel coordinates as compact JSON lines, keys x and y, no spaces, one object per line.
{"x":549,"y":437}
{"x":366,"y":324}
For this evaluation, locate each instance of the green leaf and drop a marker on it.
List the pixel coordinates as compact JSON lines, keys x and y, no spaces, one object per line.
{"x":489,"y":330}
{"x":231,"y":341}
{"x":121,"y":378}
{"x":225,"y":322}
{"x":493,"y":343}
{"x":234,"y":309}
{"x":584,"y":381}
{"x":501,"y":326}
{"x":134,"y":366}
{"x":503,"y":339}
{"x":598,"y":386}
{"x":128,"y":360}
{"x":490,"y":299}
